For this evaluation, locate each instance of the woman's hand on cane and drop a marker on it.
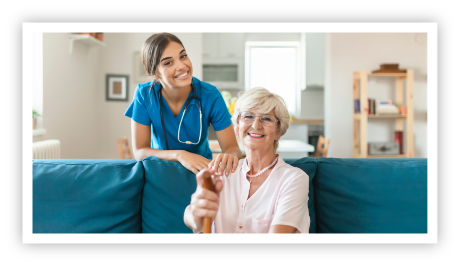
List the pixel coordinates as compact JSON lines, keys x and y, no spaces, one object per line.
{"x":204,"y":203}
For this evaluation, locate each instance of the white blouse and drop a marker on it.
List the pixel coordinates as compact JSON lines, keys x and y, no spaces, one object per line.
{"x":281,"y":199}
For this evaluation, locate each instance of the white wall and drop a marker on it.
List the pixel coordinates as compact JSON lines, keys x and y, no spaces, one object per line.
{"x":272,"y":37}
{"x":117,"y":58}
{"x":349,"y":52}
{"x":69,"y":95}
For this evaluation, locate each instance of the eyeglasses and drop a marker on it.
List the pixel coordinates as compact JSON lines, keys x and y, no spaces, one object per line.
{"x":265,"y":120}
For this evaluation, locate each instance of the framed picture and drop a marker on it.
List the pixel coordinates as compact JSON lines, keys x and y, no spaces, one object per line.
{"x":139,"y":75}
{"x":116,"y":87}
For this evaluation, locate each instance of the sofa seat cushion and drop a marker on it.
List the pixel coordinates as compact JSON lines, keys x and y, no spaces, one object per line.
{"x":87,"y":196}
{"x":371,"y":195}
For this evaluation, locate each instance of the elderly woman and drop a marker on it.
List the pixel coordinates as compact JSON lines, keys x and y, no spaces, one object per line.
{"x":264,"y":194}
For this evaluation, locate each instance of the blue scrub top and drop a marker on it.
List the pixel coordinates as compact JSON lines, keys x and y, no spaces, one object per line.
{"x":145,"y":109}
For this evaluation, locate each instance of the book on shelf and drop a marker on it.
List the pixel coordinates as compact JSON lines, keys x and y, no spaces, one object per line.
{"x":384,"y":102}
{"x":386,"y":107}
{"x":399,"y":138}
{"x":374,"y":106}
{"x":371,"y":106}
{"x":357,"y":110}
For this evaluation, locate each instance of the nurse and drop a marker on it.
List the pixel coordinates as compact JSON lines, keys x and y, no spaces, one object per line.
{"x":170,"y":115}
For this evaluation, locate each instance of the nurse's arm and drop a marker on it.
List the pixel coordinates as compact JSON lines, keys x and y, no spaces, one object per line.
{"x":141,"y":149}
{"x":228,"y":143}
{"x":141,"y":144}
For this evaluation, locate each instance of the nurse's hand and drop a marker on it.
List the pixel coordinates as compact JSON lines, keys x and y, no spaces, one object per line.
{"x":224,"y":162}
{"x":192,"y":161}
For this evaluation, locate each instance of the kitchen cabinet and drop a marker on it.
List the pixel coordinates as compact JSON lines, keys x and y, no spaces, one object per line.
{"x":313,"y":62}
{"x":297,"y":132}
{"x":223,"y":45}
{"x":231,"y":45}
{"x":211,"y":44}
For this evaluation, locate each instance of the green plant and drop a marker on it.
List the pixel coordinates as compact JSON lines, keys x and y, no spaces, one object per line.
{"x":35,"y":114}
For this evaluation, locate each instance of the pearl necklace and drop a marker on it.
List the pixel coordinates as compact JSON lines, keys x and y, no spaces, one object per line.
{"x":260,"y":172}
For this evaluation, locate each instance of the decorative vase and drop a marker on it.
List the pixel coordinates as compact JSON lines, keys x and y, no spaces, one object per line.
{"x":99,"y":36}
{"x":34,"y":123}
{"x":92,"y":34}
{"x":403,"y":109}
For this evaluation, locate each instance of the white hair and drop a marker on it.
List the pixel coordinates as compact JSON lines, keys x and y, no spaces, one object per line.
{"x":263,"y":101}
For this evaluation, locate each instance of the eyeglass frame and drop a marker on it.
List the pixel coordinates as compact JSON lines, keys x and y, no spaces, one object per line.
{"x":259,"y":116}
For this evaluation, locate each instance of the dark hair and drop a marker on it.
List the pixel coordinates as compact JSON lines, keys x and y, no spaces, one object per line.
{"x":153,"y":48}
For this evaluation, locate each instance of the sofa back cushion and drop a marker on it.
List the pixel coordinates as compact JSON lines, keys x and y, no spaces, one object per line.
{"x":87,"y":196}
{"x":167,"y":192}
{"x":169,"y":187}
{"x":371,"y":195}
{"x":308,"y":165}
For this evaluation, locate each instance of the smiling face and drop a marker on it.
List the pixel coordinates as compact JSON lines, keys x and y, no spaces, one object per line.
{"x":175,"y":68}
{"x":256,"y":136}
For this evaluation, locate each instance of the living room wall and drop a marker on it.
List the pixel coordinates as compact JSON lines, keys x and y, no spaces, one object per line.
{"x":69,"y":95}
{"x":350,"y":52}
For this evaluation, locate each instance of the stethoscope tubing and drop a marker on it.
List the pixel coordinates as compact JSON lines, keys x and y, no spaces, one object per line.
{"x":185,"y":109}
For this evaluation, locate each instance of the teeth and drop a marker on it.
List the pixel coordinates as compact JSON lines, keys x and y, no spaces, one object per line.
{"x":183,"y":75}
{"x":255,"y":135}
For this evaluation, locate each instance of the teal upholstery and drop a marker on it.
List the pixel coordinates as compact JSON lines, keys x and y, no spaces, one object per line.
{"x":125,"y":196}
{"x":167,"y":192}
{"x":308,"y":165}
{"x":371,"y":195}
{"x":87,"y":196}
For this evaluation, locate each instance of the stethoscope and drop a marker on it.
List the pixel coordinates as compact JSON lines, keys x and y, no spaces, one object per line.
{"x":186,"y":106}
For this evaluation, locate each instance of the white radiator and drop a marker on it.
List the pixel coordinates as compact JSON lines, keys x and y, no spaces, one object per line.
{"x":47,"y":149}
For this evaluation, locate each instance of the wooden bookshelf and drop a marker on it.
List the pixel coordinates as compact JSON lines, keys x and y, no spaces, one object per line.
{"x":387,"y":156}
{"x":358,"y":116}
{"x":404,"y":123}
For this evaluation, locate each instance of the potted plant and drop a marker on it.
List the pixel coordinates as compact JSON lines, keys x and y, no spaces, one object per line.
{"x":35,"y":114}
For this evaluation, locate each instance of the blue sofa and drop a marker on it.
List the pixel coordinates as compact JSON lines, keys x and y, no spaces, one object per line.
{"x":126,"y":196}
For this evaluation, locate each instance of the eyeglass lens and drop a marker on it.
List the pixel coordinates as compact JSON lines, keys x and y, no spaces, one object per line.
{"x":266,"y":120}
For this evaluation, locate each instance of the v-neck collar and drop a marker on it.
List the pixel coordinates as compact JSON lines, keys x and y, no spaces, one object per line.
{"x":165,"y":103}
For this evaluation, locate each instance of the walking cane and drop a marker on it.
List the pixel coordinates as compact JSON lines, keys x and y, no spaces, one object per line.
{"x":209,"y":185}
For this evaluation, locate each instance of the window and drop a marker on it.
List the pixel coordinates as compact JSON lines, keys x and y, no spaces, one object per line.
{"x":276,"y":67}
{"x":37,"y":81}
